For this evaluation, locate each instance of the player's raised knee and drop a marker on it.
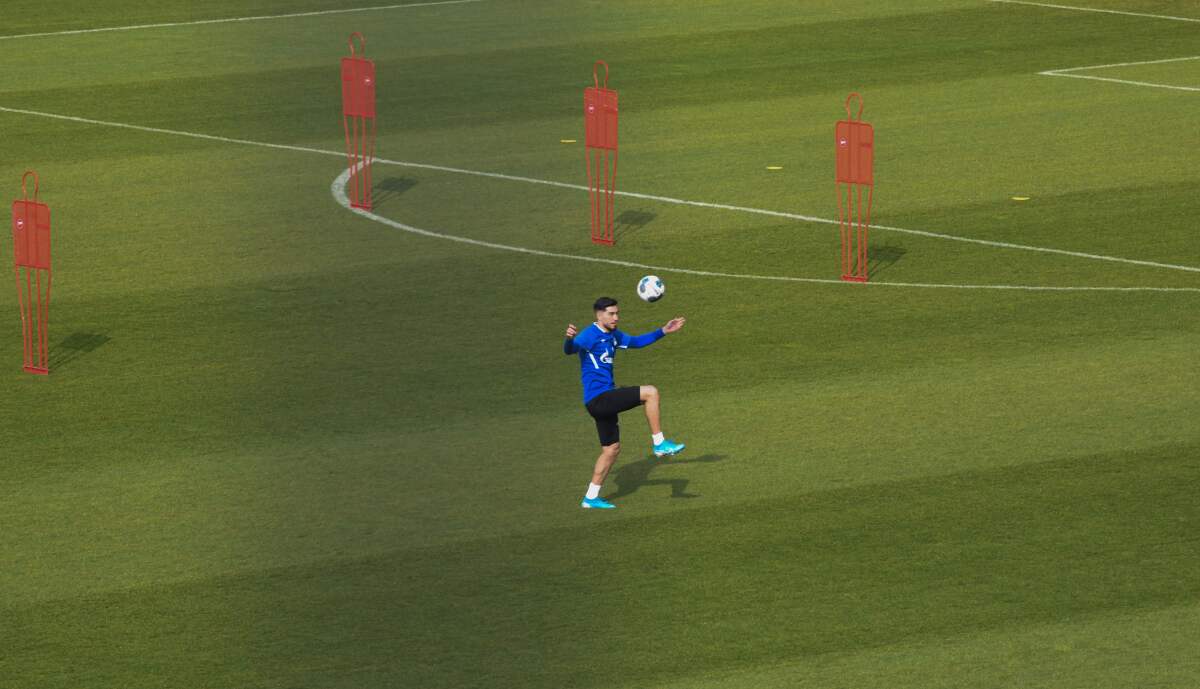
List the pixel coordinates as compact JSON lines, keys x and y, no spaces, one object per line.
{"x":649,"y":392}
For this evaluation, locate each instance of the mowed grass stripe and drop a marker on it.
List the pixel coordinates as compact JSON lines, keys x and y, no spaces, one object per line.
{"x":229,"y":20}
{"x":538,"y":82}
{"x":1077,"y":8}
{"x":1129,"y":645}
{"x":838,"y":572}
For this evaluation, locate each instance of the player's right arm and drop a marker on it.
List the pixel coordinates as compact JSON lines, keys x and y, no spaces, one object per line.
{"x":569,"y":343}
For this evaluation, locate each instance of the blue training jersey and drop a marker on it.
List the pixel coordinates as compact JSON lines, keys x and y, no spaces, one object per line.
{"x":596,"y":348}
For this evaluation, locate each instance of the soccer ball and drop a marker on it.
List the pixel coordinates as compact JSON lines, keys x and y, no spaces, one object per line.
{"x":651,"y":288}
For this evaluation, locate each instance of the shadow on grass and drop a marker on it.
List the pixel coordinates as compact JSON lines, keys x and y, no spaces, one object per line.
{"x":389,"y":188}
{"x":74,"y":346}
{"x":630,"y":222}
{"x":630,"y":477}
{"x":880,"y":258}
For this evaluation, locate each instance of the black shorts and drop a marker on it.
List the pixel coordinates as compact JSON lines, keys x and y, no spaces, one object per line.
{"x":605,"y":407}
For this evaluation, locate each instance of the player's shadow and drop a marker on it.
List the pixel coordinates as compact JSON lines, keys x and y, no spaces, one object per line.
{"x":630,"y":221}
{"x":389,"y":188}
{"x":630,"y":477}
{"x":74,"y":346}
{"x":882,"y":257}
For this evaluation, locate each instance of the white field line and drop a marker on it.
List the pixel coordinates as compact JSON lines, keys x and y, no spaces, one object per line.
{"x":1094,"y":9}
{"x":338,"y":189}
{"x":1064,"y":73}
{"x":1123,"y":64}
{"x":1123,"y":81}
{"x":164,"y":25}
{"x":580,"y":187}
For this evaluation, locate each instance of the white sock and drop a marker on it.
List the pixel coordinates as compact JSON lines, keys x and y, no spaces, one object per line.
{"x":593,"y":491}
{"x":657,"y":438}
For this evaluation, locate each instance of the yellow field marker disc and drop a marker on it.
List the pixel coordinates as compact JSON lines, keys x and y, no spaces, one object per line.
{"x":566,"y":141}
{"x":1020,"y":198}
{"x":774,"y":167}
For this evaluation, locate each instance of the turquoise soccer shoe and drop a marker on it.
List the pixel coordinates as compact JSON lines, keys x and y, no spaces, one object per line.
{"x":667,"y":448}
{"x":596,"y":504}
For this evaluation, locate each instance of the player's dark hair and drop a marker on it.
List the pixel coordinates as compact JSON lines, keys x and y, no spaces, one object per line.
{"x":603,"y":303}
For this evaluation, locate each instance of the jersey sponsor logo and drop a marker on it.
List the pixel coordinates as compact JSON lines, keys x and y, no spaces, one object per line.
{"x":606,"y":357}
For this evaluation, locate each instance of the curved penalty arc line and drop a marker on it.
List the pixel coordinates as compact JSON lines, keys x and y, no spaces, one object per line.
{"x":338,"y":189}
{"x":629,"y":194}
{"x":795,"y":216}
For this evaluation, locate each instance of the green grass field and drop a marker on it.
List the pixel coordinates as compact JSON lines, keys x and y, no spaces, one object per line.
{"x":283,"y":445}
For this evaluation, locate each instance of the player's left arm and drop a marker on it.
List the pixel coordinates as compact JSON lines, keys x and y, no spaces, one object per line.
{"x":635,"y":342}
{"x":674,"y":325}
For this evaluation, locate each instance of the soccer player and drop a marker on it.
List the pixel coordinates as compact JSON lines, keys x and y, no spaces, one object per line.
{"x":596,"y":347}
